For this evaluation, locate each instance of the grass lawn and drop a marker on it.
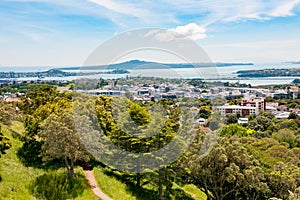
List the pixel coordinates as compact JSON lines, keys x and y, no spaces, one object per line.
{"x":120,"y":189}
{"x":21,"y":182}
{"x":111,"y":186}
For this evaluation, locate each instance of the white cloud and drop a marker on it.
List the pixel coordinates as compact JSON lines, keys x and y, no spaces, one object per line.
{"x":234,"y":10}
{"x":163,"y":12}
{"x":119,"y":7}
{"x":285,"y":9}
{"x":190,"y":31}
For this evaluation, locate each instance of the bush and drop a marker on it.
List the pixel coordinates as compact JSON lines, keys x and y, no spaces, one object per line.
{"x":58,"y":186}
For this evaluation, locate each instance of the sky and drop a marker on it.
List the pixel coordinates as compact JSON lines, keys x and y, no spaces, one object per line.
{"x":65,"y":32}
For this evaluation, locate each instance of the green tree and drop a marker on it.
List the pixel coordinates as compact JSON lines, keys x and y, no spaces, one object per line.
{"x":39,"y":96}
{"x":286,"y":135}
{"x":261,"y":123}
{"x":279,"y":163}
{"x":60,"y":140}
{"x":4,"y":143}
{"x":235,"y":129}
{"x":231,"y":119}
{"x":128,"y":125}
{"x":229,"y":172}
{"x":293,"y":115}
{"x":8,"y":113}
{"x":205,"y":112}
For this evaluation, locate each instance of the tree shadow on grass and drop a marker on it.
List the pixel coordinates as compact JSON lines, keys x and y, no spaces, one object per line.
{"x":142,"y":193}
{"x":58,"y":186}
{"x":15,"y":134}
{"x":29,"y":155}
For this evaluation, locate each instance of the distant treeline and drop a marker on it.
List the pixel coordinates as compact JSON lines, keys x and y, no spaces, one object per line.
{"x":269,"y":72}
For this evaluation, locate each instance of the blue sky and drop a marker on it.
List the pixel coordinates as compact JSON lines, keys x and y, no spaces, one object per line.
{"x":65,"y":32}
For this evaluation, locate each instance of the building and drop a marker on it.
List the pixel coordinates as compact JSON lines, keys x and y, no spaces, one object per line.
{"x":236,"y":109}
{"x":257,"y":102}
{"x":295,"y":92}
{"x":104,"y":92}
{"x":251,"y":105}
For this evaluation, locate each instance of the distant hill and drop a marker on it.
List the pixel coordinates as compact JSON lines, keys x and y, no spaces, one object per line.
{"x":138,"y":64}
{"x":294,"y":62}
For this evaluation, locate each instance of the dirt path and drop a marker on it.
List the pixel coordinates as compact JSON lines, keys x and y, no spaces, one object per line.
{"x":92,"y":181}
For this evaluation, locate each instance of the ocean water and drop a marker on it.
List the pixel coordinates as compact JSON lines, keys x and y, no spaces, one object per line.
{"x":207,"y":73}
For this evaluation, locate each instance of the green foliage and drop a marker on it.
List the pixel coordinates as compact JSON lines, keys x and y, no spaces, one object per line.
{"x":286,"y":135}
{"x":243,"y":165}
{"x":4,"y":143}
{"x":231,"y":119}
{"x":235,"y":129}
{"x":60,"y":140}
{"x":205,"y":112}
{"x":229,"y":172}
{"x":5,"y":116}
{"x":139,"y":114}
{"x":115,"y":116}
{"x":287,"y":124}
{"x":262,"y":122}
{"x":31,"y":149}
{"x":53,"y":185}
{"x":218,"y":101}
{"x":293,"y":115}
{"x":279,"y":163}
{"x":9,"y":113}
{"x":17,"y":179}
{"x":39,"y":96}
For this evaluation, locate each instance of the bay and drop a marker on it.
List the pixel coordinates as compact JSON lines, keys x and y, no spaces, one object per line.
{"x":223,"y":74}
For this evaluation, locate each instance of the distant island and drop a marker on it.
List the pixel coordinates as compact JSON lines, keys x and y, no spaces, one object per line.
{"x":56,"y":73}
{"x":269,"y":73}
{"x":117,"y":71}
{"x":119,"y":68}
{"x":294,"y":62}
{"x":138,"y":64}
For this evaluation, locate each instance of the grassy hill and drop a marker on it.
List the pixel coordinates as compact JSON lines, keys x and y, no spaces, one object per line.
{"x":21,"y":182}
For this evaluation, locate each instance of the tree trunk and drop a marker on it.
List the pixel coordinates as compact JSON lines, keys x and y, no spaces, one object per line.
{"x":70,"y":167}
{"x":71,"y":172}
{"x":138,"y":179}
{"x":159,"y":185}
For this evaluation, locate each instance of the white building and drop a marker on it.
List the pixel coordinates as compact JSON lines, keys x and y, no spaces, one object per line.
{"x":235,"y":109}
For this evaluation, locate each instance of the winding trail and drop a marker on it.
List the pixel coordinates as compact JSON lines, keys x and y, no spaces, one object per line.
{"x":93,"y":184}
